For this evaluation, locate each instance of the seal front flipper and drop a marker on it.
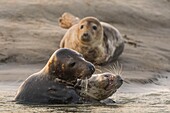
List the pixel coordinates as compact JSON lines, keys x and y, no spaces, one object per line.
{"x":108,"y":101}
{"x":63,"y":96}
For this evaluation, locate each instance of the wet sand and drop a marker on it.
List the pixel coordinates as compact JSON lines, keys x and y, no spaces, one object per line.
{"x":29,"y":34}
{"x":130,"y":98}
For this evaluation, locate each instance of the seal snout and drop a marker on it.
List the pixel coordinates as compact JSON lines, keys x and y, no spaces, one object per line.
{"x":85,"y":34}
{"x":91,"y":68}
{"x":85,"y":37}
{"x":119,"y":79}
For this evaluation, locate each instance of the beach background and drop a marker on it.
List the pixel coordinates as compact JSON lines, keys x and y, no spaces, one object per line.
{"x":29,"y":34}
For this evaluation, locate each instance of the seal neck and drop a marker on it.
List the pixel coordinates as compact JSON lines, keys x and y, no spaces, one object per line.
{"x":52,"y":76}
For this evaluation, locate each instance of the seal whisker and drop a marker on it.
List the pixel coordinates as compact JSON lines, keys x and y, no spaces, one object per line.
{"x":118,"y":67}
{"x":126,"y":81}
{"x":99,"y":70}
{"x":115,"y":68}
{"x":111,"y":68}
{"x":111,"y":71}
{"x":108,"y":70}
{"x":121,"y":69}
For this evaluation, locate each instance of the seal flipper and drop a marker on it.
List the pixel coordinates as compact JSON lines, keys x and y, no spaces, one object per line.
{"x":108,"y":101}
{"x":63,"y":96}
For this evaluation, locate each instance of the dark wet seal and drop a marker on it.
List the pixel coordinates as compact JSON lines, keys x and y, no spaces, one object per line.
{"x":54,"y":83}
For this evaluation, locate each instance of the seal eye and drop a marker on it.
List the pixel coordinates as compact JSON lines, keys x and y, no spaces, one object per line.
{"x":95,"y":27}
{"x":106,"y":75}
{"x":72,"y":64}
{"x":81,"y":27}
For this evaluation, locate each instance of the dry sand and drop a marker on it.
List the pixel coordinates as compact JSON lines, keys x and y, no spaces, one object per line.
{"x":29,"y":34}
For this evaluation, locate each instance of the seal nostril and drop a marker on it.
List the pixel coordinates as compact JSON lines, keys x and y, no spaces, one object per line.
{"x":119,"y":79}
{"x":85,"y":34}
{"x":91,"y":68}
{"x":85,"y":37}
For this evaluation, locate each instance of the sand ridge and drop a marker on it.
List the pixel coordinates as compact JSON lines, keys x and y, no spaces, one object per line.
{"x":29,"y":30}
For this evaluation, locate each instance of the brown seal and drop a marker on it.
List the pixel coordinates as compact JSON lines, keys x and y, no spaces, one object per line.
{"x":99,"y":42}
{"x":52,"y":84}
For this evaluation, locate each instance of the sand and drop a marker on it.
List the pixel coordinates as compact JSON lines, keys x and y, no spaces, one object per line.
{"x":29,"y":34}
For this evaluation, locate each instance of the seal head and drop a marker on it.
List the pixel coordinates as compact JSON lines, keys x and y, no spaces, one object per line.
{"x":100,"y":86}
{"x":69,"y":65}
{"x":89,"y":30}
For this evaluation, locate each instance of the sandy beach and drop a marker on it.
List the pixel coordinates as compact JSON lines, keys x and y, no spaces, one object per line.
{"x":29,"y":34}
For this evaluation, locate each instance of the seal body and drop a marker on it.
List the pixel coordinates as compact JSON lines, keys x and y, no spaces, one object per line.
{"x":100,"y":86}
{"x":53,"y":84}
{"x":99,"y":42}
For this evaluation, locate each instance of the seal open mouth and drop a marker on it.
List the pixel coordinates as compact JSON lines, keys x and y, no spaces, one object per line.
{"x":110,"y":84}
{"x":114,"y":81}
